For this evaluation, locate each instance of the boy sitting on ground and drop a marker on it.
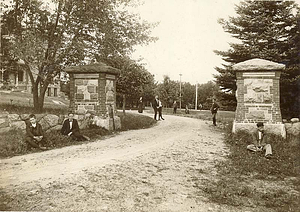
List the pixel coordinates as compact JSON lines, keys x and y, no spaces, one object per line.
{"x":259,"y":141}
{"x":34,"y":133}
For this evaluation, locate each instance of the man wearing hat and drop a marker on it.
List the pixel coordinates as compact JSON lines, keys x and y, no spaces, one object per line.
{"x":259,"y":141}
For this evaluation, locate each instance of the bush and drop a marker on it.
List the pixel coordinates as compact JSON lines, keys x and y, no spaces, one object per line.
{"x":135,"y":121}
{"x":12,"y":143}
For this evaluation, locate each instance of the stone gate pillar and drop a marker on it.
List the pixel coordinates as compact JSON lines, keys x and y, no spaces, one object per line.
{"x":93,"y":90}
{"x":258,"y":96}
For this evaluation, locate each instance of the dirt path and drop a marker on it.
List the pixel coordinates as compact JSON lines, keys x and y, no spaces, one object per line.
{"x":141,"y":170}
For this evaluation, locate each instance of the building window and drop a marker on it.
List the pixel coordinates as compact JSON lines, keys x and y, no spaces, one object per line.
{"x":20,"y":76}
{"x":49,"y":91}
{"x":55,"y":91}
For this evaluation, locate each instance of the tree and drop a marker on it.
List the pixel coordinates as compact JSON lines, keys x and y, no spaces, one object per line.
{"x":188,"y":94}
{"x":267,"y":30}
{"x":73,"y":33}
{"x":133,"y":80}
{"x":206,"y":92}
{"x":168,"y":91}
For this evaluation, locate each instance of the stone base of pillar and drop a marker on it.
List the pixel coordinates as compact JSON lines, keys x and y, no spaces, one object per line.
{"x":108,"y":123}
{"x":277,"y":129}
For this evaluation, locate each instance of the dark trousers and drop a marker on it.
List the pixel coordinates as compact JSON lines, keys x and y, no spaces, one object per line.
{"x":214,"y":117}
{"x":78,"y":137}
{"x":175,"y":109}
{"x":34,"y":143}
{"x":160,"y":113}
{"x":155,"y":113}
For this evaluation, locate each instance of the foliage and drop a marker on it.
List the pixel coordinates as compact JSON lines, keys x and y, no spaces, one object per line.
{"x":134,"y":80}
{"x":267,"y":30}
{"x":133,"y":121}
{"x":206,"y":92}
{"x":168,"y":91}
{"x":74,"y":32}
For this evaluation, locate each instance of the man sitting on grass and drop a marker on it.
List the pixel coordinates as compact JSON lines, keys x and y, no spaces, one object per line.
{"x":34,"y":133}
{"x":70,"y":128}
{"x":259,"y":141}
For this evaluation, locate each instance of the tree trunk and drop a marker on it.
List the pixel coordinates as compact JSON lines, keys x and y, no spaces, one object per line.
{"x":124,"y":103}
{"x":35,"y":94}
{"x":38,"y":98}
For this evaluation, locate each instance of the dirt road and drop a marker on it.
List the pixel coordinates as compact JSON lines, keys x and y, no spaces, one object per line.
{"x":142,"y":170}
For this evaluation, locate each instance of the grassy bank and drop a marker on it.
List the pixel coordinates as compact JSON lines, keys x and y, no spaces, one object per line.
{"x":12,"y":143}
{"x":250,"y":180}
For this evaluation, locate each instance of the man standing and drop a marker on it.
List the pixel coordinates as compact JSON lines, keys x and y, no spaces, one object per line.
{"x":174,"y":107}
{"x":70,"y":128}
{"x":34,"y":133}
{"x":155,"y":104}
{"x":214,"y":109}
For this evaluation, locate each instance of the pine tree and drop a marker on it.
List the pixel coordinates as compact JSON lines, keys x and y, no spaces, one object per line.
{"x":268,"y":30}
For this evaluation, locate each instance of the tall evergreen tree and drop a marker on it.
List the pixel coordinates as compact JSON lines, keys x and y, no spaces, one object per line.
{"x":268,"y":30}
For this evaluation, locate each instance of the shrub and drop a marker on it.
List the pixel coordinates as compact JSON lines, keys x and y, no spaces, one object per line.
{"x":12,"y":143}
{"x":135,"y":121}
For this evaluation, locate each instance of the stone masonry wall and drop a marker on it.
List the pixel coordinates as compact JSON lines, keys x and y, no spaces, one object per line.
{"x":258,"y":99}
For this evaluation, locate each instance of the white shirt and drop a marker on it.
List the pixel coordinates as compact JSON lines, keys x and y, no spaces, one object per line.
{"x":71,"y":123}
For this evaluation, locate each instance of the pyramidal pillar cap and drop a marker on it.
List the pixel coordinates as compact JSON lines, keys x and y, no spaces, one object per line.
{"x":258,"y":65}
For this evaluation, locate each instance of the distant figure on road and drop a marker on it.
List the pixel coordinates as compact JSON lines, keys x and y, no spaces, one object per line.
{"x":70,"y":128}
{"x":214,"y":109}
{"x":141,"y":106}
{"x":187,"y":110}
{"x":174,"y":107}
{"x":155,"y":106}
{"x":160,"y":110}
{"x":34,"y":134}
{"x":259,"y":141}
{"x":200,"y":106}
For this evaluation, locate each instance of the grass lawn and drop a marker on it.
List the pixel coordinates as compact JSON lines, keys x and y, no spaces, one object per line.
{"x":25,"y":99}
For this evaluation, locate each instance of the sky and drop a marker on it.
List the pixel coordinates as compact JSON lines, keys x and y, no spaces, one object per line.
{"x":188,"y":33}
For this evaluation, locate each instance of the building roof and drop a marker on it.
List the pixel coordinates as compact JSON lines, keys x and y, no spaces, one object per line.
{"x":258,"y":65}
{"x":93,"y":68}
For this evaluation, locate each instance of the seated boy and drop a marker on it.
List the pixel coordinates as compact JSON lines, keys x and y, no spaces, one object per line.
{"x":34,"y":133}
{"x":259,"y":141}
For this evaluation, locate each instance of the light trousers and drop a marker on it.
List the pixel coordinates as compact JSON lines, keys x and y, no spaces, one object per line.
{"x":266,"y":147}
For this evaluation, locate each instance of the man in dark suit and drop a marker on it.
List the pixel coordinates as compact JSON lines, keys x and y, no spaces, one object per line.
{"x":155,"y":105}
{"x":34,"y":133}
{"x":70,"y":128}
{"x":214,"y":109}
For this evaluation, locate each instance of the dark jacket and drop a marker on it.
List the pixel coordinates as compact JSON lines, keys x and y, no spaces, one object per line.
{"x":155,"y":104}
{"x":255,"y":137}
{"x":34,"y":131}
{"x":65,"y":130}
{"x":214,"y":108}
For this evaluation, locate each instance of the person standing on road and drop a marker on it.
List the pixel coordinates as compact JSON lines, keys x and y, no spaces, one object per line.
{"x":174,"y":107}
{"x":200,"y":106}
{"x":160,"y":110}
{"x":155,"y":106}
{"x":140,"y":109}
{"x":214,"y":109}
{"x":34,"y":133}
{"x":260,"y":141}
{"x":70,"y":128}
